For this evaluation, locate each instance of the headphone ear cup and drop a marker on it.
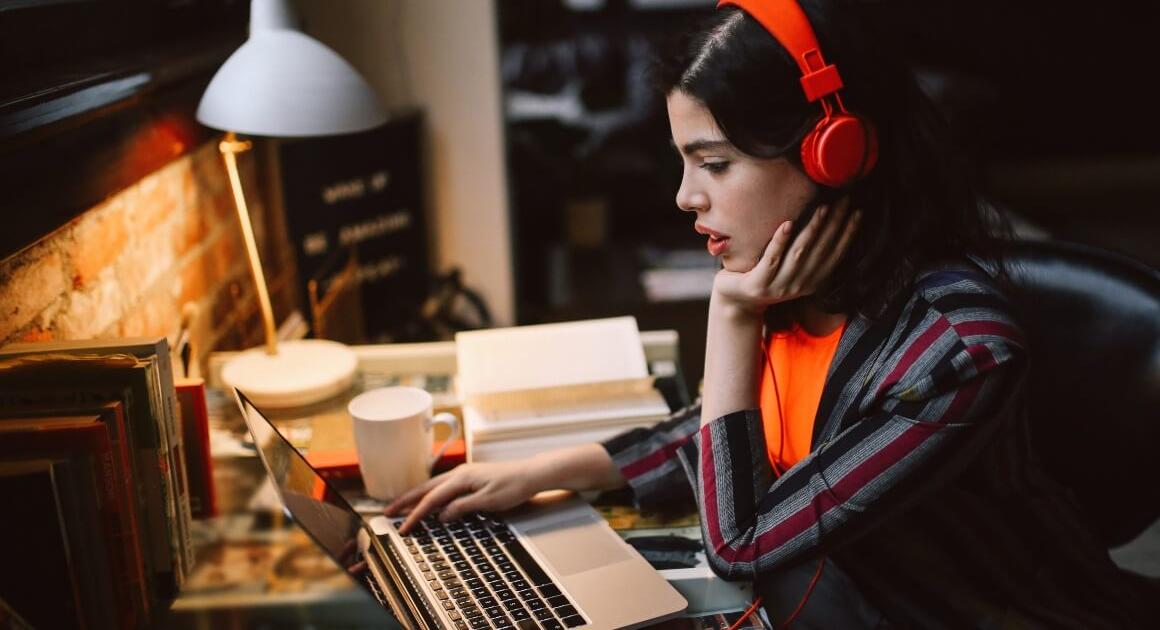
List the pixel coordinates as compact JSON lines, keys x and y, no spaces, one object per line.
{"x":840,"y":150}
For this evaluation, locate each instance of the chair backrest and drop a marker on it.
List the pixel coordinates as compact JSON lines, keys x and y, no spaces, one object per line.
{"x":1092,"y":319}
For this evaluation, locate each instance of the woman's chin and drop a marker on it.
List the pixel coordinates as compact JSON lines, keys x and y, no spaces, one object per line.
{"x":737,"y":264}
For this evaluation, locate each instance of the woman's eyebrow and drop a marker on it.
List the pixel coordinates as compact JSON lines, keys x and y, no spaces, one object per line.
{"x":704,"y":145}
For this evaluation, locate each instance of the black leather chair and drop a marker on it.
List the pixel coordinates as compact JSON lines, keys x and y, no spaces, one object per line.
{"x":1092,"y":319}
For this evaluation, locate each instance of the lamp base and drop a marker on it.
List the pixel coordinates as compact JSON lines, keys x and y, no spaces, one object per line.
{"x":303,"y":372}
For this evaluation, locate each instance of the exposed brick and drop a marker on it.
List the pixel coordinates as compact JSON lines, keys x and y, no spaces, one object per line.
{"x":99,"y":237}
{"x":154,"y":200}
{"x":220,"y":305}
{"x":36,"y":334}
{"x":215,"y":197}
{"x":91,"y":312}
{"x":156,"y":315}
{"x":189,"y":192}
{"x":148,"y":260}
{"x":208,"y":169}
{"x":29,"y":283}
{"x":132,"y":325}
{"x":191,"y":229}
{"x":127,"y":266}
{"x":194,"y":280}
{"x":219,"y":207}
{"x":47,"y":317}
{"x":228,"y":254}
{"x":227,"y":299}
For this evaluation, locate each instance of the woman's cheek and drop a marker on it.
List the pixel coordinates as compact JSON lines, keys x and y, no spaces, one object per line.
{"x":740,"y":262}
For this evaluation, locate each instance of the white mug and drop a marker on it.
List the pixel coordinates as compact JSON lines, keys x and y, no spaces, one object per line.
{"x":394,"y":435}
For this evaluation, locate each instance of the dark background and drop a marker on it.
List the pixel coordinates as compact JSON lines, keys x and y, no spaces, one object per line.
{"x":1047,"y":98}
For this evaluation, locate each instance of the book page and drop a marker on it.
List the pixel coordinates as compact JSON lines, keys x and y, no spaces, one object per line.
{"x":549,"y":355}
{"x":564,"y":395}
{"x":530,"y":416}
{"x":523,"y":447}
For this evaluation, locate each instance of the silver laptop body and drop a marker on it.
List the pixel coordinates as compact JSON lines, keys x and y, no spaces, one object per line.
{"x":553,"y":563}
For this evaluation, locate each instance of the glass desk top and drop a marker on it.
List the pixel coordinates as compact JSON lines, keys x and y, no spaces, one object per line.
{"x":253,"y":565}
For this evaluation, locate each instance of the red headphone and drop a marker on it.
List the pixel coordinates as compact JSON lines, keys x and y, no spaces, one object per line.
{"x":843,"y":147}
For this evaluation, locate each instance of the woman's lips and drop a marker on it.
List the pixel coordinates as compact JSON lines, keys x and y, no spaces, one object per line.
{"x":717,"y":245}
{"x":718,"y":242}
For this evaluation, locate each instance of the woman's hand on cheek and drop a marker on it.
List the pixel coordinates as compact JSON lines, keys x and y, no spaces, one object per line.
{"x":789,"y":270}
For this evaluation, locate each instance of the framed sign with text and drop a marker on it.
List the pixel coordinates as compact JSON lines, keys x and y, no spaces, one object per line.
{"x":364,"y":192}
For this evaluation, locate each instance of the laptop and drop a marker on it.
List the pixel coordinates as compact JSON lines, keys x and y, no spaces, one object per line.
{"x":552,"y":564}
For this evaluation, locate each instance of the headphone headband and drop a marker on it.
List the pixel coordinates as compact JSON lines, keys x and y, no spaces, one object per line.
{"x":842,"y":147}
{"x":785,"y":20}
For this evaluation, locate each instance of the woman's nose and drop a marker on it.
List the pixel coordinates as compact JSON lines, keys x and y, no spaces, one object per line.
{"x":689,"y":198}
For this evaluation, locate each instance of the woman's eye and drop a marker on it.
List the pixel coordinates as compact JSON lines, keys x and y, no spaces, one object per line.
{"x":715,"y":167}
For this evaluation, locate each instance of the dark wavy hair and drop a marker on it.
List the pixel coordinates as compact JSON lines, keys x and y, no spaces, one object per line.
{"x":918,"y":204}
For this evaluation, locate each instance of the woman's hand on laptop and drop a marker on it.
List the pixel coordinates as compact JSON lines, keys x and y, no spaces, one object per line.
{"x":467,"y":488}
{"x":498,"y":486}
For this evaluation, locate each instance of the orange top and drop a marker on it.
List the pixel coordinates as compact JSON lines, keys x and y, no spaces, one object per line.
{"x":801,"y":362}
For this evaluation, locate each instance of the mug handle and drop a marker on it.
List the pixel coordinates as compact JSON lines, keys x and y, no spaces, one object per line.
{"x":448,"y":419}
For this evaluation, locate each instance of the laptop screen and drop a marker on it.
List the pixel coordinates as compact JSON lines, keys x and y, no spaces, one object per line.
{"x":312,"y":502}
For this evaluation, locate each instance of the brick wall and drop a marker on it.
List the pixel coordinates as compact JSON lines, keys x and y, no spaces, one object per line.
{"x":129,"y":266}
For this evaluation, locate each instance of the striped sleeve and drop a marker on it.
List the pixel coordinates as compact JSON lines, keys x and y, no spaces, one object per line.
{"x":647,"y":460}
{"x":947,"y":376}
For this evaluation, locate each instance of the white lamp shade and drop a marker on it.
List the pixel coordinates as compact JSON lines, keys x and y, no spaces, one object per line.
{"x":282,"y":82}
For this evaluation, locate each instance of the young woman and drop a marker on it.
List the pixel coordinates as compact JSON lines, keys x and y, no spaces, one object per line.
{"x":858,"y":450}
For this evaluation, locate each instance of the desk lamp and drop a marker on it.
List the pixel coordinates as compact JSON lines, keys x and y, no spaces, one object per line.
{"x":283,"y":83}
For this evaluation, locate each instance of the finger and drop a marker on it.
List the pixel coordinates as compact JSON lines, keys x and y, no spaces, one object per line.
{"x":788,"y":273}
{"x":772,"y":256}
{"x":830,"y":231}
{"x":836,"y":253}
{"x":467,"y":504}
{"x":408,"y":498}
{"x":435,"y":499}
{"x":831,"y":228}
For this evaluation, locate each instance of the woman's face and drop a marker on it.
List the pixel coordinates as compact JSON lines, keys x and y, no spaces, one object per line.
{"x":739,"y":200}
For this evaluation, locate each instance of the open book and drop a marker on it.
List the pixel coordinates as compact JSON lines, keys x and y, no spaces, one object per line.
{"x":531,"y":388}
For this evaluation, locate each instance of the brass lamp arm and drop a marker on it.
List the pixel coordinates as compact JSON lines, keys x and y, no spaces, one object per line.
{"x":230,"y":146}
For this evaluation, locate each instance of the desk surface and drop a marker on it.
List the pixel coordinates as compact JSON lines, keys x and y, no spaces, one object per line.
{"x":254,"y":566}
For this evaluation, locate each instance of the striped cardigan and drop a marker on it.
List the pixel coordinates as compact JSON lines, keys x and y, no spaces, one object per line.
{"x":917,"y":435}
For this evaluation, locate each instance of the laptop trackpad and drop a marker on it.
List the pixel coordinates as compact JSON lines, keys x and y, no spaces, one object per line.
{"x":576,"y":546}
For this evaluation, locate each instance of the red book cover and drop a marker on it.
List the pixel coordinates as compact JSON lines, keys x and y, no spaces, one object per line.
{"x":342,"y":463}
{"x":111,"y":413}
{"x":88,"y":435}
{"x":195,"y":437}
{"x":45,"y":592}
{"x":31,"y":375}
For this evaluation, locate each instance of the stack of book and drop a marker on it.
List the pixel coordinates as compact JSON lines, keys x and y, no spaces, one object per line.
{"x":528,"y":389}
{"x":97,"y":530}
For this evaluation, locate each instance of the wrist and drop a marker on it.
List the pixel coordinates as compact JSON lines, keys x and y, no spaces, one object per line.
{"x":581,"y":467}
{"x":541,"y":474}
{"x":733,"y":310}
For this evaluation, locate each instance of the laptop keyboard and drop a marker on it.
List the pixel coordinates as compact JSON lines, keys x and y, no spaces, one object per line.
{"x":484,"y":578}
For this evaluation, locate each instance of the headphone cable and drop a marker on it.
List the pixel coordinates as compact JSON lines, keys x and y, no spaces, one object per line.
{"x":778,"y":472}
{"x":747,"y":614}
